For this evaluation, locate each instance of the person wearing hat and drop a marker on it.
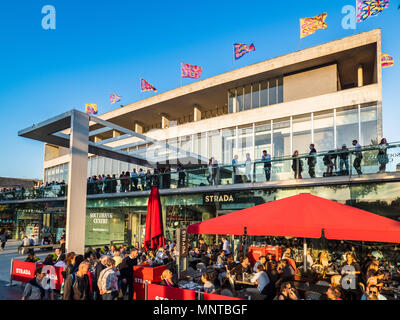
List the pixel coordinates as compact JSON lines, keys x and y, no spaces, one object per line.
{"x":344,"y":160}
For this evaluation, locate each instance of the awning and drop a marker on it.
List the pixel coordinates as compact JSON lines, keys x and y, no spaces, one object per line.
{"x":304,"y":216}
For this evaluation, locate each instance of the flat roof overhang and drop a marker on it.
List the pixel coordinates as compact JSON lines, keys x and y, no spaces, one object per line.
{"x":212,"y":92}
{"x":55,"y":131}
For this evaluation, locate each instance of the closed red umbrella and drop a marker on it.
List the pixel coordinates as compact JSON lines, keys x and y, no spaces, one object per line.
{"x":154,"y":234}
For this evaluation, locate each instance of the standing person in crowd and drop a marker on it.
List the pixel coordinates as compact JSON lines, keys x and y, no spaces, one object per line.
{"x":334,"y":294}
{"x":70,"y":261}
{"x":350,"y":271}
{"x":121,"y":181}
{"x":78,"y":259}
{"x":108,"y":282}
{"x":203,"y":246}
{"x":266,"y":159}
{"x":312,"y":161}
{"x":148,"y":179}
{"x":31,"y":257}
{"x":225,"y":245}
{"x":286,"y":270}
{"x":126,"y":272}
{"x":261,"y":261}
{"x":383,"y":158}
{"x":98,"y":269}
{"x":297,"y":165}
{"x":358,"y":156}
{"x":181,"y":176}
{"x":77,"y":285}
{"x":61,"y":261}
{"x":3,"y":238}
{"x":114,"y":183}
{"x":210,"y":171}
{"x":134,"y":180}
{"x":215,"y":171}
{"x":117,"y":258}
{"x":235,"y":169}
{"x":33,"y":289}
{"x":344,"y":160}
{"x":248,"y":168}
{"x":142,"y":179}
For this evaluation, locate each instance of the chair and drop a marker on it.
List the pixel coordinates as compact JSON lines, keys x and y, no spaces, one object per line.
{"x":310,"y":295}
{"x":232,"y":283}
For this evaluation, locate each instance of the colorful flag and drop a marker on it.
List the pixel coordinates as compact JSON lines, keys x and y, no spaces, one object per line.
{"x":190,"y":71}
{"x":91,"y":108}
{"x":371,"y":8}
{"x":240,"y":49}
{"x":310,"y":25}
{"x":145,"y":86}
{"x":114,"y":98}
{"x":387,"y":61}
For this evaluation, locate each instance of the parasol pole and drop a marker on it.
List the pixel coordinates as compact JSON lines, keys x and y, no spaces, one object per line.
{"x":305,"y":255}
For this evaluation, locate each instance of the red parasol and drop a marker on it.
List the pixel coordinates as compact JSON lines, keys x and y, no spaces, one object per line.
{"x":154,"y":234}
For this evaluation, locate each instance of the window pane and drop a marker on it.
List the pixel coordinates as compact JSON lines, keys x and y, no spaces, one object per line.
{"x":323,"y":131}
{"x":272,"y":91}
{"x":347,"y":126}
{"x":200,"y":144}
{"x":231,"y":100}
{"x":245,"y":143}
{"x":264,"y":93}
{"x":302,"y":133}
{"x":228,"y":145}
{"x":256,"y":96}
{"x":280,"y":90}
{"x":281,"y":138}
{"x":239,"y":100}
{"x":247,"y":97}
{"x":262,"y":140}
{"x":369,"y":126}
{"x":214,"y":144}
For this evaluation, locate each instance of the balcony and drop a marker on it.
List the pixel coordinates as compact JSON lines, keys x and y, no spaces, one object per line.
{"x":326,"y":168}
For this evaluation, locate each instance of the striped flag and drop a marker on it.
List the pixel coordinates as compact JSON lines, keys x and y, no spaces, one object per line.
{"x":387,"y":61}
{"x":371,"y":8}
{"x":145,"y":86}
{"x":114,"y":98}
{"x":310,"y":25}
{"x":190,"y":71}
{"x":240,"y":49}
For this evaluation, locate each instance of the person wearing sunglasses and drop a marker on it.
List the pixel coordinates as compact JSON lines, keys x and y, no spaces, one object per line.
{"x":373,"y":290}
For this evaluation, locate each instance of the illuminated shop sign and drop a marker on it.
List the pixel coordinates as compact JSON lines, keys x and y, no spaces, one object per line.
{"x":218,"y":198}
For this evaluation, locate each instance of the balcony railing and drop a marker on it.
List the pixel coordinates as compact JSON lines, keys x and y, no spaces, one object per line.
{"x":367,"y":160}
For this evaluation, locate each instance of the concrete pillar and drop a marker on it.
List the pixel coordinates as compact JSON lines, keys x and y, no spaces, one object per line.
{"x":76,"y":200}
{"x":360,"y":75}
{"x":116,"y":133}
{"x":138,"y":128}
{"x":96,"y":139}
{"x":164,"y":121}
{"x":197,"y":113}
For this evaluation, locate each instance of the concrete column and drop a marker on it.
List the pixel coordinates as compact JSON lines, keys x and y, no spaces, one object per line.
{"x":360,"y":76}
{"x":96,"y":139}
{"x":138,"y":128}
{"x":197,"y":113}
{"x":116,"y":133}
{"x":76,"y":200}
{"x":164,"y":122}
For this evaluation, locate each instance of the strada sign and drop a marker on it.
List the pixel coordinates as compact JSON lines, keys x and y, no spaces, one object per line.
{"x":218,"y":198}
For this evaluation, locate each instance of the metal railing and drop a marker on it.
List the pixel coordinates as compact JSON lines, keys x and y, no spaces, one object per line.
{"x":349,"y":162}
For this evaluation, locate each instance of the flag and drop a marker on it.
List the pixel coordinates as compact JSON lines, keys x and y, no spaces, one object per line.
{"x":310,"y":25}
{"x":91,"y":108}
{"x":387,"y":61}
{"x":371,"y":8}
{"x":240,"y":49}
{"x":190,"y":71}
{"x":114,"y":98}
{"x":145,"y":86}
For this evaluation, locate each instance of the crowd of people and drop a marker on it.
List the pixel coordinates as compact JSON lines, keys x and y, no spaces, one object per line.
{"x":107,"y":273}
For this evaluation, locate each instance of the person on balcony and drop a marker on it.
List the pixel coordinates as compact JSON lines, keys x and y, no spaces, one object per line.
{"x":248,"y":167}
{"x":236,"y":172}
{"x":383,"y":158}
{"x":358,"y":156}
{"x":134,"y":180}
{"x":210,"y":171}
{"x":344,"y":160}
{"x":266,"y":158}
{"x":312,"y":161}
{"x":181,"y":176}
{"x":297,"y":165}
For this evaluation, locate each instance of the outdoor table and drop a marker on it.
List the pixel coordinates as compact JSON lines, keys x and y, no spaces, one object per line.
{"x":301,"y":286}
{"x":245,"y":282}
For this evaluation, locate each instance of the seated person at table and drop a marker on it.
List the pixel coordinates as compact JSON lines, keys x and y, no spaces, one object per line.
{"x":166,"y":279}
{"x":261,"y":261}
{"x":161,"y":256}
{"x":150,"y":258}
{"x":375,"y":290}
{"x":287,"y":253}
{"x":264,"y":285}
{"x":285,"y":270}
{"x":209,"y":286}
{"x":221,"y":260}
{"x":334,"y":293}
{"x":269,"y":258}
{"x":290,"y":261}
{"x":230,"y":264}
{"x":287,"y":292}
{"x":240,"y":269}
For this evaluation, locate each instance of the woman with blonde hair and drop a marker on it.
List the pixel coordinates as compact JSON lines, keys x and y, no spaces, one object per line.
{"x":166,"y":279}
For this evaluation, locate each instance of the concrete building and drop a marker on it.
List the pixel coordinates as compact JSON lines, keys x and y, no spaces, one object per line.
{"x":327,"y":95}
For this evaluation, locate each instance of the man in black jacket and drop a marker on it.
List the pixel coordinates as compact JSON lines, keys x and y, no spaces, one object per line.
{"x":77,"y":286}
{"x":126,"y":271}
{"x":312,"y":160}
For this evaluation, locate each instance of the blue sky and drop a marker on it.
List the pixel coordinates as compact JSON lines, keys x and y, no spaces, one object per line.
{"x":106,"y":46}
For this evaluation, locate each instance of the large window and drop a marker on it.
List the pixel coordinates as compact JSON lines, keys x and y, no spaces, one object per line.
{"x":262,"y":139}
{"x":302,"y":133}
{"x":281,"y":138}
{"x":247,"y":97}
{"x":256,"y":96}
{"x":323,"y":131}
{"x":214,"y":144}
{"x":369,"y":125}
{"x":272,"y":91}
{"x":245,"y":143}
{"x":264,"y":93}
{"x":346,"y":125}
{"x":228,"y":145}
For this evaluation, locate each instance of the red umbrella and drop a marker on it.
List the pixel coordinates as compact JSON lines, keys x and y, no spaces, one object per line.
{"x":154,"y":234}
{"x":305,"y":216}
